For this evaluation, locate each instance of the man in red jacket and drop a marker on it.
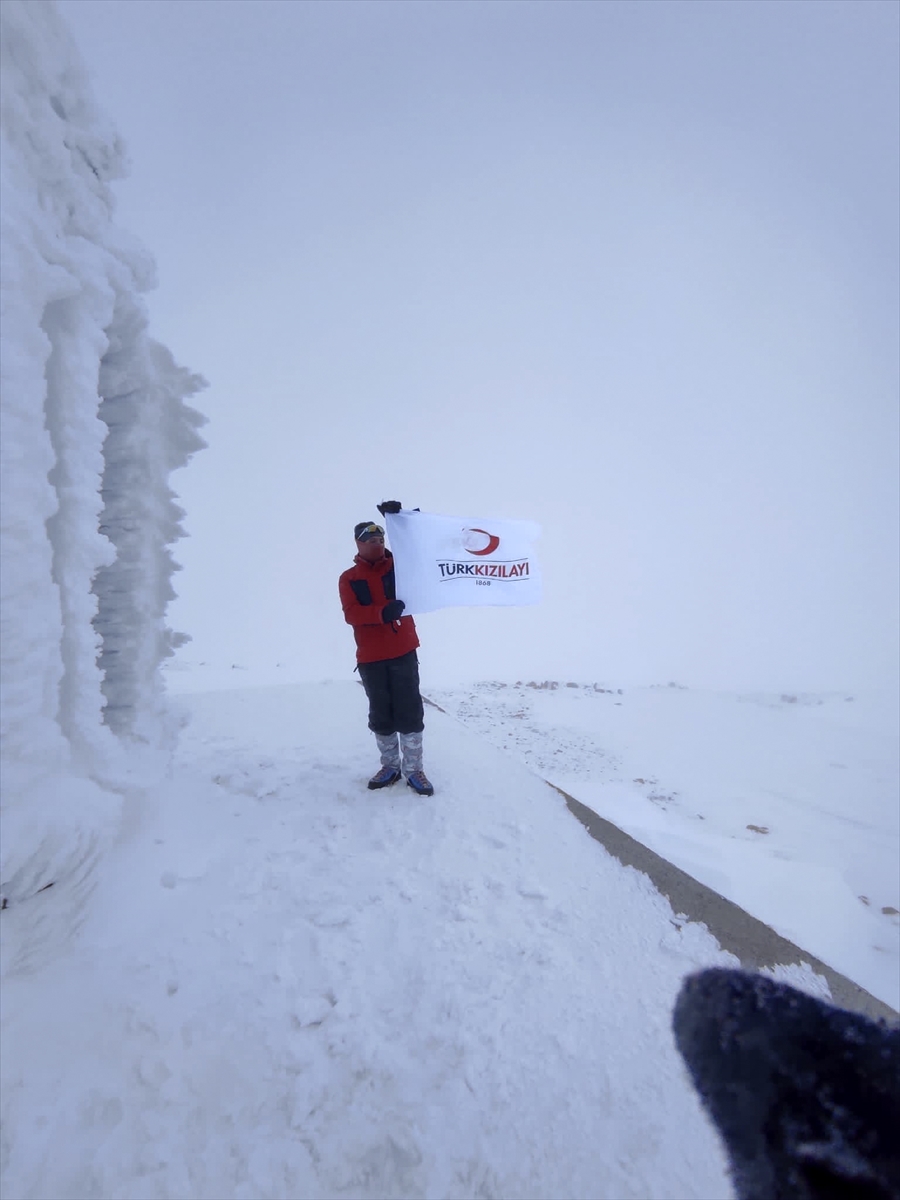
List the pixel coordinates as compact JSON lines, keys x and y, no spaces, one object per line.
{"x":386,"y":643}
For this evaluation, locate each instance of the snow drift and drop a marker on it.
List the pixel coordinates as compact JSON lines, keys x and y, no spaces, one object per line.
{"x":93,"y":421}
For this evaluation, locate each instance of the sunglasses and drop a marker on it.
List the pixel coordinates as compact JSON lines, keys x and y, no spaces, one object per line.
{"x":370,"y":532}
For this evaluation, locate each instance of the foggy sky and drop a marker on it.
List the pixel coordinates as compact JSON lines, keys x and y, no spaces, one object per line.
{"x":627,"y":269}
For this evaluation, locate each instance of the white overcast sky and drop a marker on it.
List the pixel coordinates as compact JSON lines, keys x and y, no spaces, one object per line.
{"x":626,"y":268}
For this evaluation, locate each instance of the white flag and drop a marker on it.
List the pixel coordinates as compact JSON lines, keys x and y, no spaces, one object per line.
{"x":444,"y":562}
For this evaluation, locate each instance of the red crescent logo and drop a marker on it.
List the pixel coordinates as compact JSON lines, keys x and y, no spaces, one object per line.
{"x":493,"y":543}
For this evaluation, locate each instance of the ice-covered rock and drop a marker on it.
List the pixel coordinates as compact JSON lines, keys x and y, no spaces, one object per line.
{"x":93,"y":421}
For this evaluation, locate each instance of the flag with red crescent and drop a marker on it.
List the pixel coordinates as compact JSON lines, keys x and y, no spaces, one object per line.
{"x":446,"y":562}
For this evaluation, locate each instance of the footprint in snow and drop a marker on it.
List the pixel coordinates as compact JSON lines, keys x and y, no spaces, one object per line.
{"x":310,"y":1011}
{"x":332,"y":918}
{"x":494,"y":842}
{"x":241,"y":783}
{"x":169,"y":879}
{"x":531,"y":892}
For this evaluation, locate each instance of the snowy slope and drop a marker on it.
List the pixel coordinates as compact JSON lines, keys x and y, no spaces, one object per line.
{"x":786,"y":804}
{"x":289,"y":986}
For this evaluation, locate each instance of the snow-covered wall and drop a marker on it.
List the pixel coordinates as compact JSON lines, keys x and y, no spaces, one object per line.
{"x":92,"y":421}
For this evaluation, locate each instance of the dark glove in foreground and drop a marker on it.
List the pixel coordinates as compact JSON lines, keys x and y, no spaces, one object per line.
{"x":392,"y":611}
{"x":805,"y":1095}
{"x":389,"y":506}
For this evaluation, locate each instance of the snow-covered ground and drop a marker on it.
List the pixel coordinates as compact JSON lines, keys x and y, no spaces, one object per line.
{"x":785,"y":804}
{"x":285,"y":985}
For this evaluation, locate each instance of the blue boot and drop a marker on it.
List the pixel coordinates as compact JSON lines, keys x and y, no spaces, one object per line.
{"x":418,"y":781}
{"x":384,"y":778}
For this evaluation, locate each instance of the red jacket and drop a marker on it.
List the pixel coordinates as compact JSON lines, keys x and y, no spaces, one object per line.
{"x":365,"y":589}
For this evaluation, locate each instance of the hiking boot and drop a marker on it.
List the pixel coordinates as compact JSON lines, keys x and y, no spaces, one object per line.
{"x":384,"y":778}
{"x":418,"y":781}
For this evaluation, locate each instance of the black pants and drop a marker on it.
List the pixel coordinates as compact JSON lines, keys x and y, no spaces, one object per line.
{"x":392,"y":685}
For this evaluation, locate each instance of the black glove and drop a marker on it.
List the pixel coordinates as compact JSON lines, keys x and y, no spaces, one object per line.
{"x":389,"y":506}
{"x":392,"y":610}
